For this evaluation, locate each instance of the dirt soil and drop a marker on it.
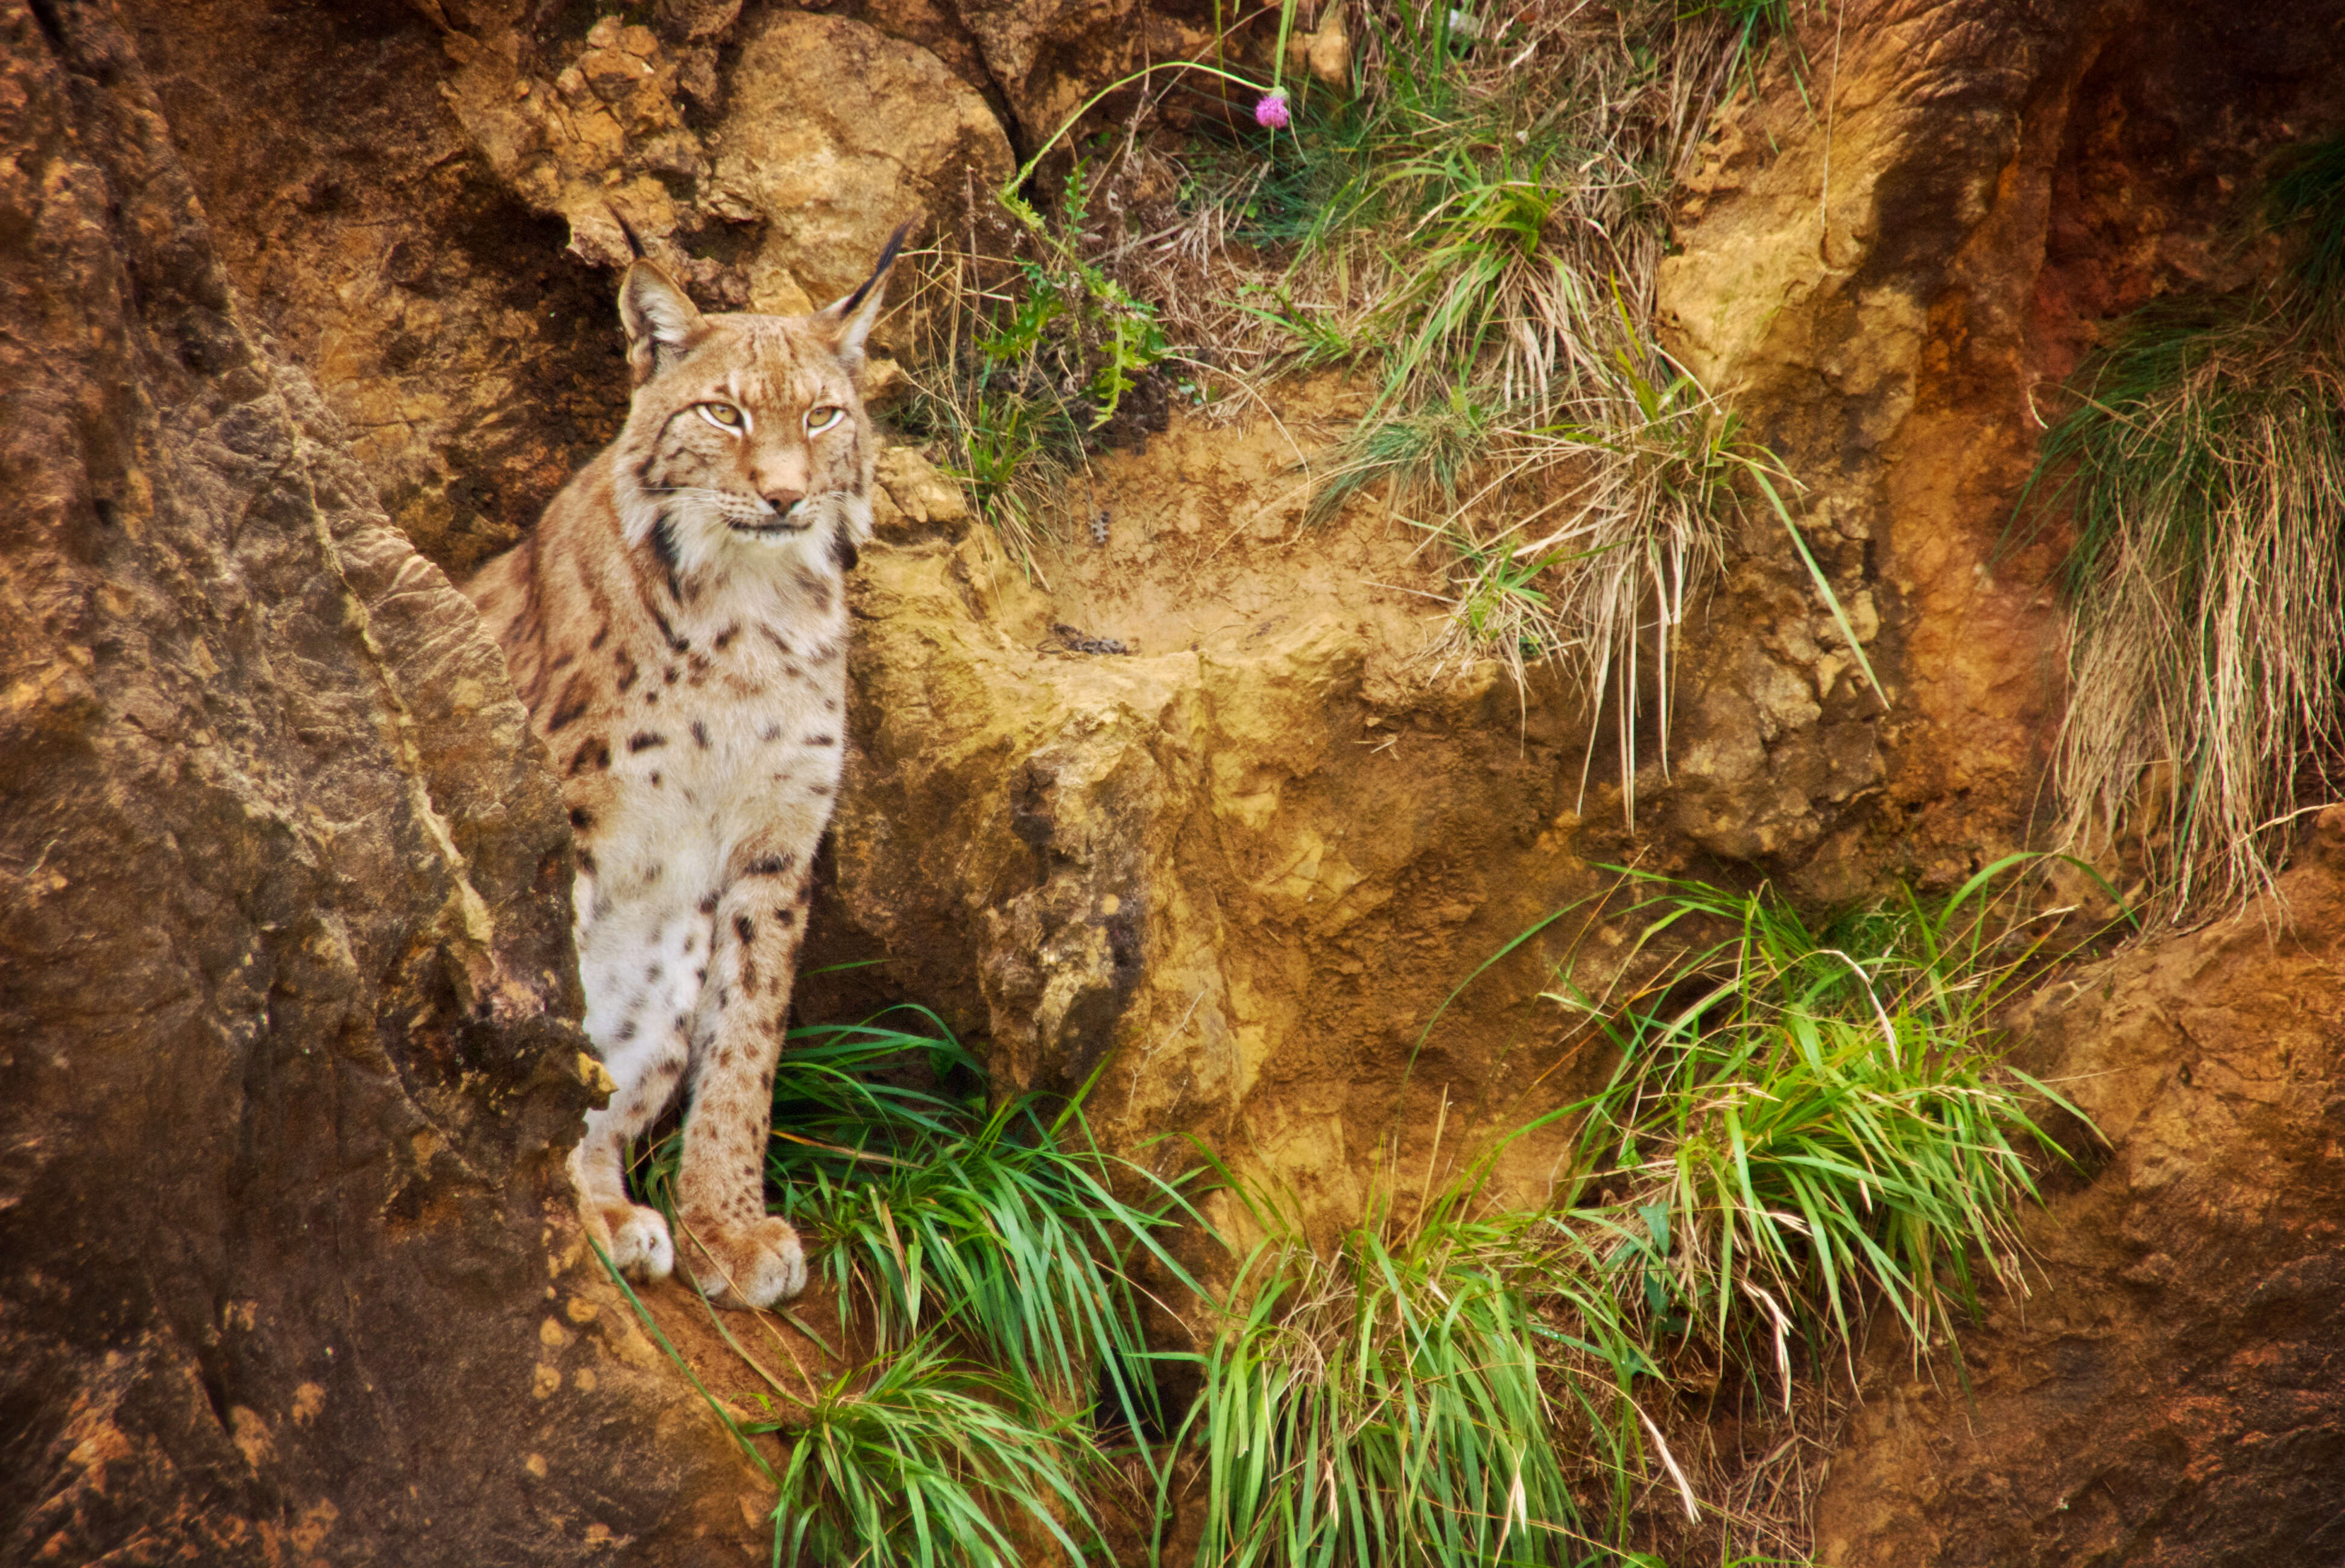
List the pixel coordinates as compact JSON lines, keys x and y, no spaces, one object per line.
{"x":1206,"y":539}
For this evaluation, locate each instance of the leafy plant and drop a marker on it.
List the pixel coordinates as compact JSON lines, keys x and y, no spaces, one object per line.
{"x":1111,"y":337}
{"x":1031,"y":356}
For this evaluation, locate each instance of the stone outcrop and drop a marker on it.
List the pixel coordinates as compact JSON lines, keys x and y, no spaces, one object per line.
{"x":1039,"y":61}
{"x":831,"y":134}
{"x":1888,"y":268}
{"x":834,"y":133}
{"x":1235,"y":879}
{"x":2168,"y":1394}
{"x":288,"y":1039}
{"x":471,"y":360}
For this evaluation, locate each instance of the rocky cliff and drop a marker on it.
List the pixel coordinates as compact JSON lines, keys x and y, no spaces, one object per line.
{"x":308,"y":306}
{"x":287,"y":1016}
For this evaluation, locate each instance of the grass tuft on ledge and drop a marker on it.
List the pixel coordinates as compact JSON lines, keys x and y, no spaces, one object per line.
{"x":1803,"y":1124}
{"x":2202,"y":470}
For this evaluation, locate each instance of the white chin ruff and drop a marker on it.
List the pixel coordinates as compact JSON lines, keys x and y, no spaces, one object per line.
{"x":704,"y":535}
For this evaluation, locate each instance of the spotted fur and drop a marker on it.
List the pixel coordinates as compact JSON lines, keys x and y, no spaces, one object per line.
{"x":677,"y":626}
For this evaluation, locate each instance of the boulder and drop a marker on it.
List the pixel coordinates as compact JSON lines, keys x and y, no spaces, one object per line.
{"x":834,"y":133}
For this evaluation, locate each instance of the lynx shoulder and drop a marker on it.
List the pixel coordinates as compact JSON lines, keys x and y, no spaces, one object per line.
{"x":677,"y":626}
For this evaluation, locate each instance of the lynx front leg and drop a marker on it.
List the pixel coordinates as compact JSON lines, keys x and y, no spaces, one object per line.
{"x":643,"y":980}
{"x":734,"y":1251}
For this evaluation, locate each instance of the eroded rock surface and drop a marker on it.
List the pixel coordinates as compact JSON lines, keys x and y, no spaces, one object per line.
{"x":835,"y":133}
{"x":288,"y":1041}
{"x":1237,"y":878}
{"x":2170,"y":1393}
{"x":1888,"y":273}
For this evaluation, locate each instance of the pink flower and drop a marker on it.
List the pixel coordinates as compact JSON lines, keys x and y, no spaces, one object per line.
{"x":1270,"y":113}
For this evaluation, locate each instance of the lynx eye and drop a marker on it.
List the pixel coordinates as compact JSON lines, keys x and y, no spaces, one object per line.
{"x":724,"y":416}
{"x":819,"y":420}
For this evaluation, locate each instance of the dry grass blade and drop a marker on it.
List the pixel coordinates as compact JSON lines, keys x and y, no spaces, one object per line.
{"x":2211,"y":632}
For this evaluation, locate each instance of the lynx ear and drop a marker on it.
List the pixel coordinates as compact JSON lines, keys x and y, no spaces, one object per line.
{"x":847,"y":321}
{"x":661,"y":319}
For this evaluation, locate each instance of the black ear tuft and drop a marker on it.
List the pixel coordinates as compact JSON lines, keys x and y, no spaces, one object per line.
{"x":634,"y":240}
{"x":879,"y":273}
{"x":849,"y":320}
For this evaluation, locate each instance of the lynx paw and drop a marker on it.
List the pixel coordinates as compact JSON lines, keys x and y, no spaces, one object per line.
{"x":640,"y":1246}
{"x":752,"y":1265}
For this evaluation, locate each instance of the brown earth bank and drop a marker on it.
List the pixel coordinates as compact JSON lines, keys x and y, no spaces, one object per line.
{"x":307,"y":304}
{"x":2170,"y":1392}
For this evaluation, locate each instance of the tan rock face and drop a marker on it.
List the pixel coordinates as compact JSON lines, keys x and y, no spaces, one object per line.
{"x":288,"y":1039}
{"x":1889,"y":285}
{"x":591,"y":144}
{"x":1037,"y":62}
{"x":2167,"y":1394}
{"x":835,"y":133}
{"x":474,"y":366}
{"x":1236,"y":878}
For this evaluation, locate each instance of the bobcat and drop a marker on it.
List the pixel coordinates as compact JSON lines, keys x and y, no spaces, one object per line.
{"x":677,"y":627}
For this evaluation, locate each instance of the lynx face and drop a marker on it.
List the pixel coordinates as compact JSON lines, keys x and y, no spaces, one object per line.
{"x":745,"y":447}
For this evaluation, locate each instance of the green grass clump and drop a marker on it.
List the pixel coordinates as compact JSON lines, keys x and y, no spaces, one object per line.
{"x":2203,"y":472}
{"x":1416,"y":1394}
{"x":1475,"y":227}
{"x":1599,"y":578}
{"x":984,"y":1258}
{"x":999,"y":1229}
{"x":1469,"y":213}
{"x":918,"y":1461}
{"x":1803,"y":1123}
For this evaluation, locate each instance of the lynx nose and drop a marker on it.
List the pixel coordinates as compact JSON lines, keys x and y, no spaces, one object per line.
{"x":780,"y":478}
